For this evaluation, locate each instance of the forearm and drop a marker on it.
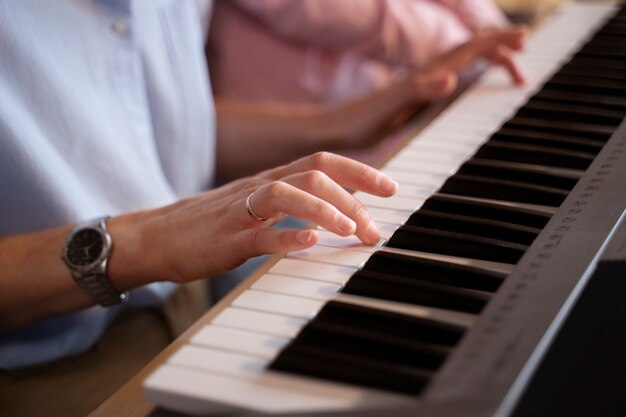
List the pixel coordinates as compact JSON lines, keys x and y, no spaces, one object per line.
{"x":35,"y":283}
{"x":253,"y":137}
{"x":34,"y":279}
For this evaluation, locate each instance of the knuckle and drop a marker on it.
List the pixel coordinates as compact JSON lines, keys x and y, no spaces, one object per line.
{"x":358,"y":211}
{"x":365,"y":172}
{"x":255,"y":240}
{"x":321,"y":159}
{"x":314,"y":178}
{"x":275,"y":188}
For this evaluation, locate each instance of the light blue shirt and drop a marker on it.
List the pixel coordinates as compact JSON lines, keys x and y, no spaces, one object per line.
{"x":105,"y":108}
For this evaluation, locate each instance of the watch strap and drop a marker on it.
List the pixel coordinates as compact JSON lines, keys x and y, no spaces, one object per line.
{"x":99,"y":288}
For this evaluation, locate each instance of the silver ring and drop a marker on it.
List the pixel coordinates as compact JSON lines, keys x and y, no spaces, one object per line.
{"x":252,"y":213}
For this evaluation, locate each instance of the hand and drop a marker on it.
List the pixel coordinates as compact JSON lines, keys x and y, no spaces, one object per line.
{"x":496,"y":45}
{"x":421,"y":87}
{"x":213,"y":232}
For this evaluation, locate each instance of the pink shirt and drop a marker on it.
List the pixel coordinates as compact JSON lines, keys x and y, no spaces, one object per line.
{"x":324,"y":51}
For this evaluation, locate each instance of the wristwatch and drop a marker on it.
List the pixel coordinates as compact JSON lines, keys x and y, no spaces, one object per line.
{"x":86,"y":252}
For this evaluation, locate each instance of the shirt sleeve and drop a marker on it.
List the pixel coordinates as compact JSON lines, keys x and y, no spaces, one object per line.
{"x":396,"y":32}
{"x":328,"y":23}
{"x":476,"y":14}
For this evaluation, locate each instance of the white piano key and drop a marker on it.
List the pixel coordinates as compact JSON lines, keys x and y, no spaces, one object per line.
{"x":352,"y":242}
{"x":257,"y":321}
{"x":198,"y":392}
{"x":436,"y":144}
{"x":474,"y":119}
{"x":468,"y":133}
{"x":204,"y":358}
{"x":335,"y":256}
{"x":278,"y":304}
{"x":312,"y":270}
{"x":418,"y":154}
{"x":298,"y":287}
{"x":415,"y":191}
{"x":494,"y":109}
{"x":415,"y":178}
{"x":424,"y":163}
{"x":327,"y":238}
{"x":441,"y":137}
{"x":397,"y":202}
{"x":497,"y":98}
{"x":241,"y":341}
{"x":391,"y":216}
{"x":437,"y":153}
{"x":247,"y":368}
{"x":386,"y":230}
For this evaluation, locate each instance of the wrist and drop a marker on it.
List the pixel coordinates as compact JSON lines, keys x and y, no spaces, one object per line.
{"x":129,"y":265}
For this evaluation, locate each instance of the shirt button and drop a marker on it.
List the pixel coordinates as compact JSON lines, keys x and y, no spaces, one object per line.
{"x":120,"y":27}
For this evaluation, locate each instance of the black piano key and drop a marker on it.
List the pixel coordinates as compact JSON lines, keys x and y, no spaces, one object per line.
{"x":570,"y":112}
{"x":566,"y":128}
{"x":361,"y":341}
{"x":586,"y":85}
{"x":390,"y":324}
{"x":612,"y":51}
{"x":445,"y":273}
{"x":503,"y":190}
{"x":535,"y":154}
{"x":590,"y":72}
{"x":344,"y":367}
{"x":480,"y":209}
{"x":616,"y":30}
{"x":598,"y":101}
{"x":456,"y":244}
{"x":390,"y":287}
{"x":473,"y":226}
{"x":601,"y":64}
{"x":552,"y":140}
{"x":365,"y":346}
{"x":607,"y":41}
{"x":519,"y":173}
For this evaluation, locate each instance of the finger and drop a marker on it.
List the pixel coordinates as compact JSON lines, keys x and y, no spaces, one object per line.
{"x":431,"y":86}
{"x":320,"y":185}
{"x":280,"y":197}
{"x":260,"y":241}
{"x":482,"y":45}
{"x":516,"y":37}
{"x":346,"y":172}
{"x":488,"y":40}
{"x":503,"y":57}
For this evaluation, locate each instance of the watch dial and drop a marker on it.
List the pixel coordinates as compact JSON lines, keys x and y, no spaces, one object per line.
{"x":85,"y":247}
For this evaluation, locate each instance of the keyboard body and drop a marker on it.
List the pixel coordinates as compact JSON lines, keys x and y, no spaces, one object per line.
{"x":233,"y":364}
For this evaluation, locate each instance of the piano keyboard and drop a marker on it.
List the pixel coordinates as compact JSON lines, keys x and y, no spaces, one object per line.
{"x":480,"y":258}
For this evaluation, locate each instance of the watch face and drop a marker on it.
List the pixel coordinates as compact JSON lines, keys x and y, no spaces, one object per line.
{"x":85,"y":247}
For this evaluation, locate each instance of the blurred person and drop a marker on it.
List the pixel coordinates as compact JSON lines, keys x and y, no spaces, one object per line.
{"x":329,"y":51}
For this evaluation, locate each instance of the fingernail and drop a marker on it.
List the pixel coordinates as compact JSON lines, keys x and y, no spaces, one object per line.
{"x":346,"y":225}
{"x":388,"y":186}
{"x":372,"y":234}
{"x":304,"y":236}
